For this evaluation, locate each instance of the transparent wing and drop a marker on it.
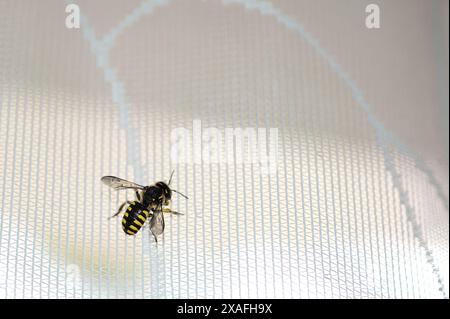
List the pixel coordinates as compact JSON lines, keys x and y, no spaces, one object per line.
{"x":157,"y":224}
{"x":119,"y":183}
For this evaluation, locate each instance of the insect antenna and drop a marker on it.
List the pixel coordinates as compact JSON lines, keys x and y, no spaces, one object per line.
{"x":171,"y":175}
{"x":180,"y":194}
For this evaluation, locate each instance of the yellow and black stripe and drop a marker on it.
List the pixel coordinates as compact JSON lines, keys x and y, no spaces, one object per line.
{"x":134,"y":218}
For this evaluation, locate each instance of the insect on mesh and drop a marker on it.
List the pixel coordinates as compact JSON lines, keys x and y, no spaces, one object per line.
{"x":357,"y":206}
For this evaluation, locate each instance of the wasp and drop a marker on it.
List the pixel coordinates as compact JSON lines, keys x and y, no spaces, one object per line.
{"x":151,"y":204}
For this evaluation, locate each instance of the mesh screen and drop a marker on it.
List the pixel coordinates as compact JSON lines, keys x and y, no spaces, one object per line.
{"x":356,"y":208}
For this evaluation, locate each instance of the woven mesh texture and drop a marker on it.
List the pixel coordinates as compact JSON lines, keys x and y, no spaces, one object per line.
{"x":357,"y":207}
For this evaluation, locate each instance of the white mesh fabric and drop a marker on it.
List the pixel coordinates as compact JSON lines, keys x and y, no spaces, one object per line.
{"x":358,"y":207}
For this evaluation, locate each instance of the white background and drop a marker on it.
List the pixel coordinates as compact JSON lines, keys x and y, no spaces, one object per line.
{"x":358,"y":207}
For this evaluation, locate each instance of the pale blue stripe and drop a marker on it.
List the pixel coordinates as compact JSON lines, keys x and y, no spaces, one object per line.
{"x":266,"y":8}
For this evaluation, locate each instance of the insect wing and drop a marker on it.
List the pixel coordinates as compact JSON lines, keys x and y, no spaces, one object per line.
{"x":157,"y":224}
{"x":119,"y":183}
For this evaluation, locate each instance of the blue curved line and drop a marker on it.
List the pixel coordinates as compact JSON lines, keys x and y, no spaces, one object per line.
{"x":146,"y":7}
{"x":265,"y":8}
{"x":382,"y":134}
{"x":100,"y":50}
{"x":118,"y":97}
{"x":410,"y":215}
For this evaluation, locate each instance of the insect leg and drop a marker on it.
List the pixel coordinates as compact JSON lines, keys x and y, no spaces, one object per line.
{"x":138,"y":196}
{"x":120,"y":209}
{"x":168,"y":210}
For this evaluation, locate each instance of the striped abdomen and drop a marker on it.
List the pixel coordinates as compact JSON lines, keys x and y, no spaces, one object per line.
{"x":134,"y":218}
